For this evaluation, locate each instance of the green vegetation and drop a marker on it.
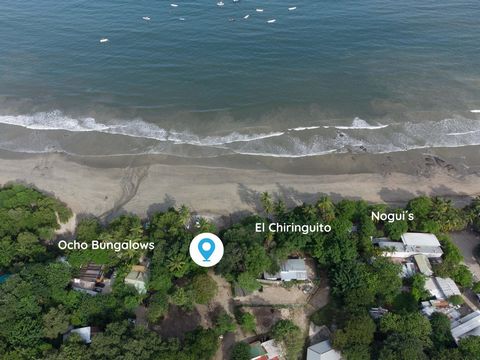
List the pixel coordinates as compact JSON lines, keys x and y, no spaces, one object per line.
{"x":248,"y":322}
{"x":441,"y":336}
{"x":224,"y":323}
{"x":241,"y":351}
{"x":37,"y":304}
{"x":291,"y":336}
{"x":28,"y":220}
{"x":356,"y":337}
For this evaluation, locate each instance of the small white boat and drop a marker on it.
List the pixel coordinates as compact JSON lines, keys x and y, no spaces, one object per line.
{"x":292,"y":8}
{"x":220,"y":3}
{"x":475,"y":111}
{"x":246,"y":16}
{"x":259,"y":10}
{"x":103,"y":40}
{"x":173,"y":5}
{"x":181,"y":19}
{"x":146,"y":18}
{"x":271,"y":21}
{"x":236,"y":1}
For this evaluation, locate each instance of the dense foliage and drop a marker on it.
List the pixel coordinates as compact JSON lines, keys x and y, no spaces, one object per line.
{"x":38,"y":306}
{"x":28,"y":219}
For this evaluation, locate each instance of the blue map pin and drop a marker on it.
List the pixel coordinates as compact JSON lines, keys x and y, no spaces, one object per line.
{"x":206,"y":253}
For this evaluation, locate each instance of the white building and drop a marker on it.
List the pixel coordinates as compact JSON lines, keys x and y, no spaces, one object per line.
{"x":420,"y":239}
{"x":466,"y":326}
{"x":441,"y":288}
{"x":268,"y":350}
{"x":323,"y":351}
{"x":412,"y":244}
{"x":85,"y":334}
{"x":292,"y":269}
{"x":138,"y":277}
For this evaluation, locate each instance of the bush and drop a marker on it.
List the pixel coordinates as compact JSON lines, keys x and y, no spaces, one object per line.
{"x":248,"y":322}
{"x":456,"y":300}
{"x":476,"y":287}
{"x":463,"y":276}
{"x":204,"y":288}
{"x":241,"y":351}
{"x":290,"y":334}
{"x":224,"y":323}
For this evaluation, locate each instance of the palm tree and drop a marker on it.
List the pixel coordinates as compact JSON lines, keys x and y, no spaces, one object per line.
{"x":268,"y":240}
{"x":176,"y":264}
{"x":326,"y":208}
{"x":444,"y":213}
{"x":184,"y":213}
{"x":135,"y":236}
{"x":279,"y":208}
{"x":267,"y":204}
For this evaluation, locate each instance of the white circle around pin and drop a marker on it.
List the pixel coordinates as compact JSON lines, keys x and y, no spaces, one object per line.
{"x":206,"y":250}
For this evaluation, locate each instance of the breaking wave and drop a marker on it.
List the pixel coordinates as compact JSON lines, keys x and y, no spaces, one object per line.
{"x":55,"y":120}
{"x":293,"y":142}
{"x":358,"y":124}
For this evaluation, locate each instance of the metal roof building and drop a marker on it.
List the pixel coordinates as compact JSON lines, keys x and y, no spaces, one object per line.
{"x":412,"y":244}
{"x":292,"y":269}
{"x":466,"y":326}
{"x":441,"y":288}
{"x":423,"y":264}
{"x":323,"y":351}
{"x":420,"y":239}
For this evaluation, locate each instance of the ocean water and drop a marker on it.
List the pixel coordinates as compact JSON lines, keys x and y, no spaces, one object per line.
{"x":201,"y":80}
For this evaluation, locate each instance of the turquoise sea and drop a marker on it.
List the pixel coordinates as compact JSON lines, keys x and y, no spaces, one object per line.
{"x":200,"y":79}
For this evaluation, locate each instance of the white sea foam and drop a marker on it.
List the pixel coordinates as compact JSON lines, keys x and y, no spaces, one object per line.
{"x":293,"y":156}
{"x":301,"y":141}
{"x":463,"y":133}
{"x":303,"y":128}
{"x":358,"y":124}
{"x":55,"y":120}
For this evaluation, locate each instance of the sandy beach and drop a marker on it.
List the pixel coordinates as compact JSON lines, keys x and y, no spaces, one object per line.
{"x":107,"y":186}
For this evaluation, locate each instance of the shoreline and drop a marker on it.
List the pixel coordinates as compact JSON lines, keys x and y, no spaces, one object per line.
{"x":229,"y":186}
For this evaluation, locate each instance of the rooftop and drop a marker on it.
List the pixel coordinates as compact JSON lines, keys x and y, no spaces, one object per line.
{"x":442,"y":288}
{"x":420,"y":239}
{"x":401,"y":249}
{"x":466,"y":326}
{"x":294,"y":265}
{"x":268,"y":350}
{"x":423,"y":264}
{"x":90,"y":272}
{"x":323,"y":351}
{"x":291,"y":269}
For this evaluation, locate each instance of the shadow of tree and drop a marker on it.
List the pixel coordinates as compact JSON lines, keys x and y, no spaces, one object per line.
{"x":178,"y":322}
{"x":168,"y":202}
{"x":250,"y":197}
